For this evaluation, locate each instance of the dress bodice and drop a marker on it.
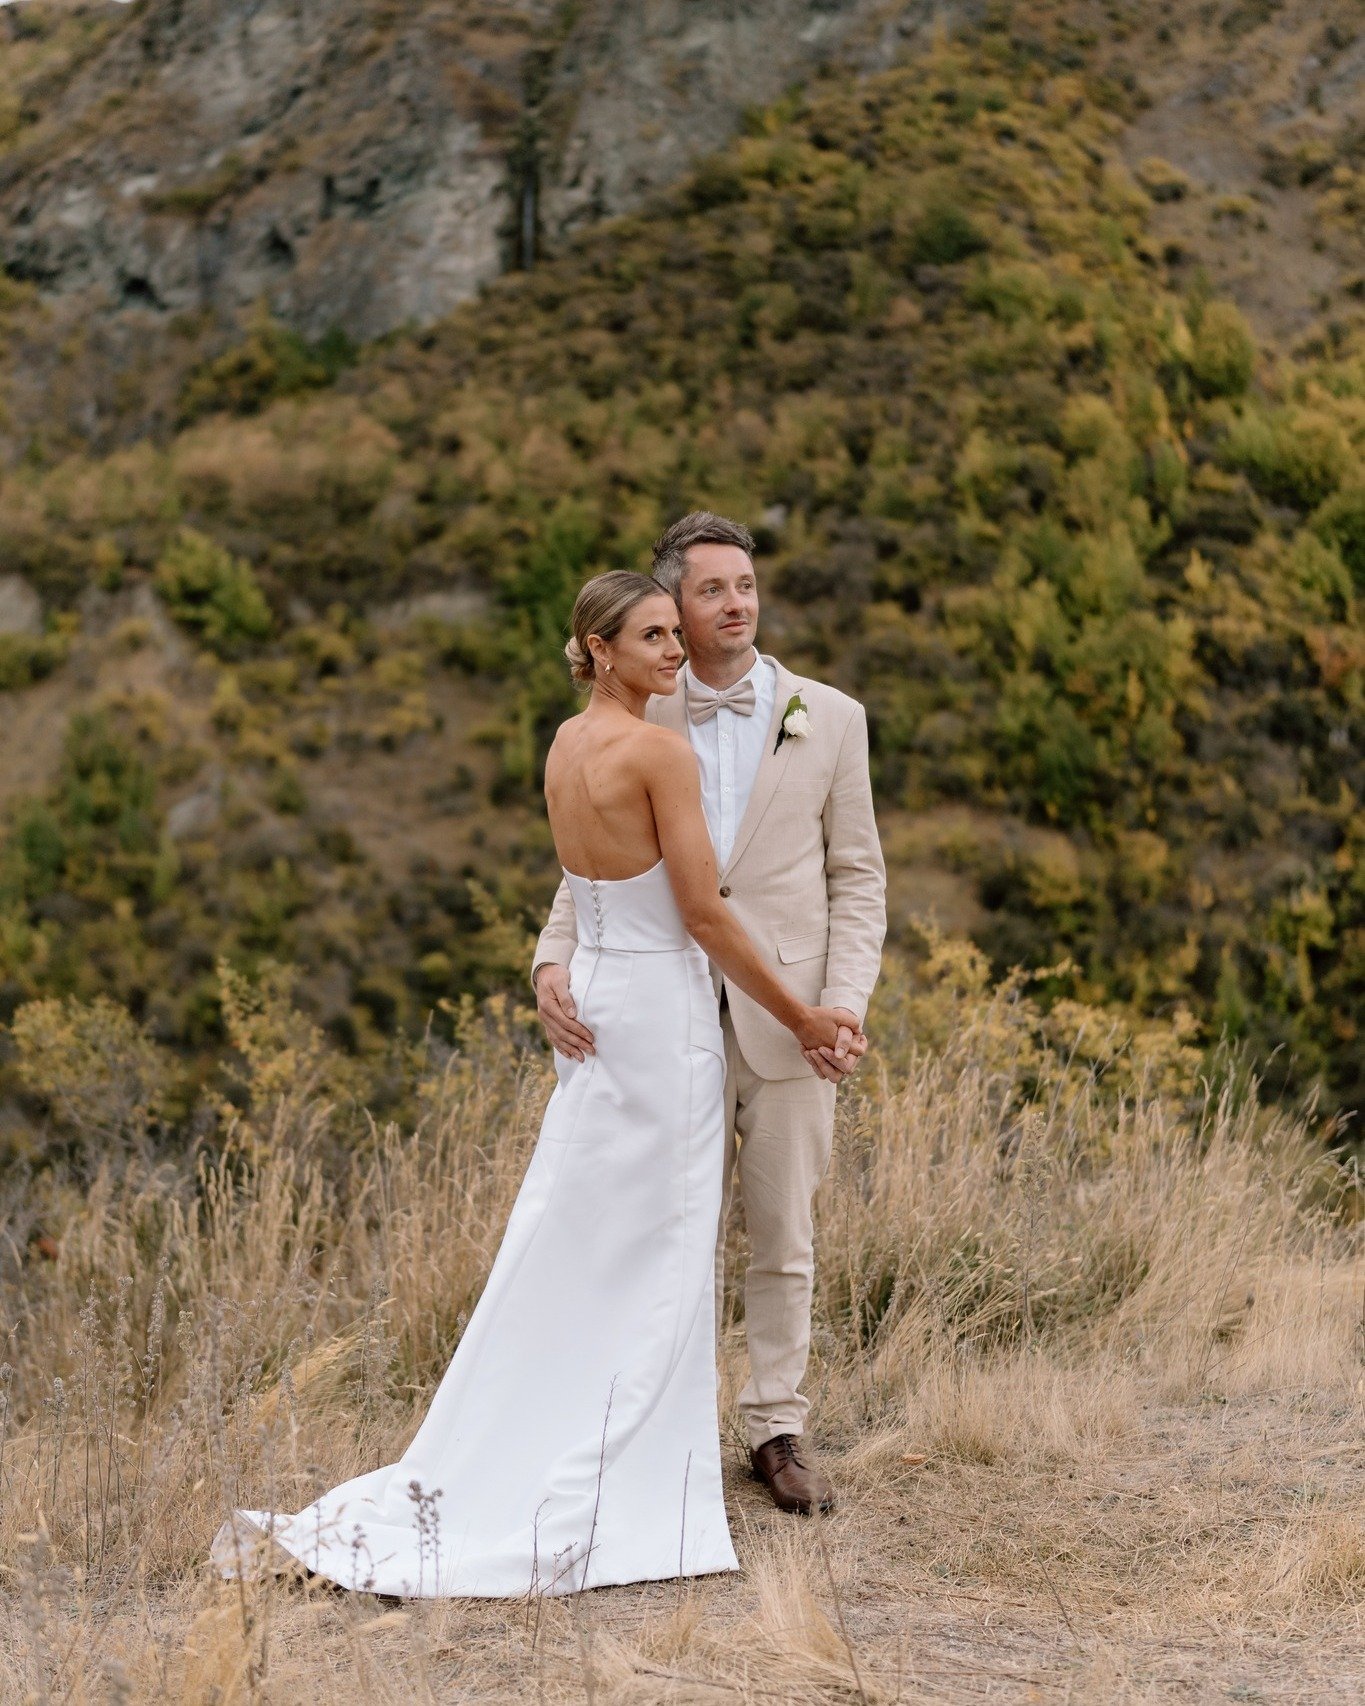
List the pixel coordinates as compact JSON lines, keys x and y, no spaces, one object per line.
{"x":628,"y":914}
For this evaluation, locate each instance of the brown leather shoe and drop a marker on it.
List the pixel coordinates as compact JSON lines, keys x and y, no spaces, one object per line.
{"x":794,"y":1485}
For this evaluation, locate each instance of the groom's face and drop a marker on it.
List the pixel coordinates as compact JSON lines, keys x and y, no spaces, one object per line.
{"x":718,"y":602}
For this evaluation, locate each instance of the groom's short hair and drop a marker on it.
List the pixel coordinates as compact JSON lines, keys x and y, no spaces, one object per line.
{"x":700,"y":527}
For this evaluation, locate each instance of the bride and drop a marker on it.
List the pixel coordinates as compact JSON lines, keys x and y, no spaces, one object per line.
{"x":573,"y":1440}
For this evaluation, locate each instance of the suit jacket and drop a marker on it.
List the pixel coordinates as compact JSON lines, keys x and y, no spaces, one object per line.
{"x":805,"y":876}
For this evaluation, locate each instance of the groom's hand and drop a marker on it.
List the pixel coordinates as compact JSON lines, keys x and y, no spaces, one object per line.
{"x":559,"y":1014}
{"x":849,"y":1048}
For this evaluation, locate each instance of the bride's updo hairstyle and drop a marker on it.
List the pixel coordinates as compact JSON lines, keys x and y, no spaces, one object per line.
{"x":601,"y":608}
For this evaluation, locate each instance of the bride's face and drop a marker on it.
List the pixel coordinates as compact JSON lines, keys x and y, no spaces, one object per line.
{"x":647,"y":653}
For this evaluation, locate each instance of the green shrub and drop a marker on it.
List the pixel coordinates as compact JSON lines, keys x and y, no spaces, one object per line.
{"x":212,"y":592}
{"x":25,"y":658}
{"x":1224,"y":355}
{"x":1295,"y":456}
{"x":943,"y":234}
{"x":272,"y":361}
{"x":1163,"y":181}
{"x":716,"y":181}
{"x":1340,"y":520}
{"x":1318,"y":572}
{"x":1012,"y":293}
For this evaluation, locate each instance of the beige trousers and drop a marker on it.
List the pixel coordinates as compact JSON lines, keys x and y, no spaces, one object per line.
{"x":779,"y":1135}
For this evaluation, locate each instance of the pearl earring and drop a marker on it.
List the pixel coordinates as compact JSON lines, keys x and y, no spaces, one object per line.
{"x":608,"y":669}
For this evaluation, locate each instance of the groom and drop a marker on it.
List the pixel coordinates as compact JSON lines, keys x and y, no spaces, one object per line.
{"x":788,"y":801}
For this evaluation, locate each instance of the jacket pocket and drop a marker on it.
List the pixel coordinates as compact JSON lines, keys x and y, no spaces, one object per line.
{"x":812,"y":946}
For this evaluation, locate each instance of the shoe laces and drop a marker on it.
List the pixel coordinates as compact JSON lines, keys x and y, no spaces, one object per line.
{"x":786,"y":1451}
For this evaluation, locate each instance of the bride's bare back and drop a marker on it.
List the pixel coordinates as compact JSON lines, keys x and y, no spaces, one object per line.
{"x":597,"y":795}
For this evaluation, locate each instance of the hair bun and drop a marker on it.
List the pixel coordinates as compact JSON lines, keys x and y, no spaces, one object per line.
{"x":580,"y":662}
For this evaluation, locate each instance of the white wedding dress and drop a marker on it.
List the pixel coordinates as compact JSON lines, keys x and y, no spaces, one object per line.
{"x":573,"y":1440}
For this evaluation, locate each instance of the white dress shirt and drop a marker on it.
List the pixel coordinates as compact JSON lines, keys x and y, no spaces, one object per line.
{"x":729,"y":748}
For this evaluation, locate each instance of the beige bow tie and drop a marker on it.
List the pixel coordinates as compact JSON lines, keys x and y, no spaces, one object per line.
{"x":703,"y":702}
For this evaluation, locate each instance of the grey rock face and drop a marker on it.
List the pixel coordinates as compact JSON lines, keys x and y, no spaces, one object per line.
{"x":654,"y":87}
{"x":456,"y":604}
{"x":197,"y":813}
{"x":21,"y":610}
{"x":300,"y":153}
{"x":363,"y":167}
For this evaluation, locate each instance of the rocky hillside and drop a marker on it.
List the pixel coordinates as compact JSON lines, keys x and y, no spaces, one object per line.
{"x":1250,"y":141}
{"x":1086,"y":536}
{"x":352,"y":166}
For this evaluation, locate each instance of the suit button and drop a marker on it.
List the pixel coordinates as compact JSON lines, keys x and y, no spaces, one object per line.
{"x":725,"y":894}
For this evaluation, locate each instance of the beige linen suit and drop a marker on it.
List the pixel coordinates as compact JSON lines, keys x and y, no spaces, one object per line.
{"x":806,"y":879}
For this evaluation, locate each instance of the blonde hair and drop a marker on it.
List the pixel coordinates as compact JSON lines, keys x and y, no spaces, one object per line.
{"x":602,"y":605}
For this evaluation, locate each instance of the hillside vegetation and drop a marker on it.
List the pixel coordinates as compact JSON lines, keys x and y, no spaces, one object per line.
{"x":1093,"y":558}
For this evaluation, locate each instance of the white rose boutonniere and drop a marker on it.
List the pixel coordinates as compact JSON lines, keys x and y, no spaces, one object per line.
{"x":795,"y":720}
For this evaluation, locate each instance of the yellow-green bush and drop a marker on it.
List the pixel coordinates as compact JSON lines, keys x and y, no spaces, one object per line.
{"x":213,"y":592}
{"x":1341,"y":519}
{"x":1296,"y":455}
{"x":93,"y":1065}
{"x":26,"y":658}
{"x":1223,"y":357}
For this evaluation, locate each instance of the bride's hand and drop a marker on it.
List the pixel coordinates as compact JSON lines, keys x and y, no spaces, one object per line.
{"x":819,"y":1027}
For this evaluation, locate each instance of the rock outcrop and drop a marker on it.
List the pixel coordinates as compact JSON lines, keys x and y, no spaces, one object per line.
{"x":366,"y":167}
{"x":21,"y":610}
{"x":346,"y":164}
{"x":343,"y":161}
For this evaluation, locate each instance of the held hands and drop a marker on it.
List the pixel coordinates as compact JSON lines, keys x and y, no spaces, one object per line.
{"x":831,"y":1040}
{"x":850,"y":1045}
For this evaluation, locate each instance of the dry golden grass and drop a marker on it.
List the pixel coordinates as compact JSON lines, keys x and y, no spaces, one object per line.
{"x":1089,"y":1373}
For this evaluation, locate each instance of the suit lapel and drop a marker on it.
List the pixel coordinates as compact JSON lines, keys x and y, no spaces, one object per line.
{"x":771,"y":767}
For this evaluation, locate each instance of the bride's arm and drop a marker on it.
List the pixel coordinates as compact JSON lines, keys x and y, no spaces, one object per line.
{"x":674,"y":786}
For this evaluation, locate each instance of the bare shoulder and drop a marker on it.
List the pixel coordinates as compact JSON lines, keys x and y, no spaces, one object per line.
{"x":565,"y":737}
{"x":656,"y":746}
{"x":569,"y":729}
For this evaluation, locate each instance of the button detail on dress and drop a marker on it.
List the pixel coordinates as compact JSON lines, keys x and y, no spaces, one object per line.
{"x":725,"y":892}
{"x":597,"y":910}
